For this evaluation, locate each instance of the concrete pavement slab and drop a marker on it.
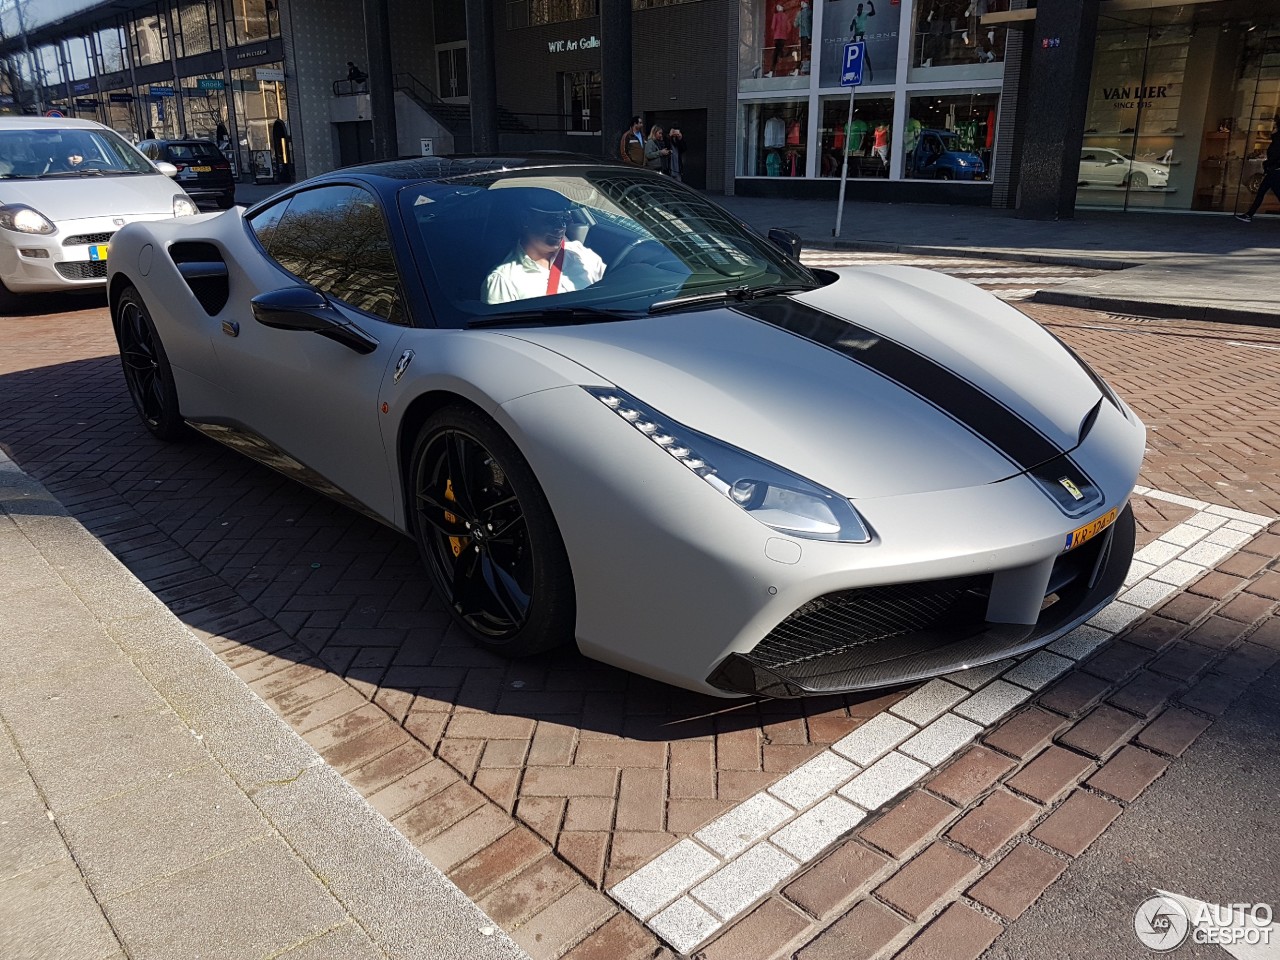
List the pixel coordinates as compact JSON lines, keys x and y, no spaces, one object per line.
{"x":250,"y":902}
{"x":189,"y":816}
{"x":28,"y":838}
{"x":49,"y":914}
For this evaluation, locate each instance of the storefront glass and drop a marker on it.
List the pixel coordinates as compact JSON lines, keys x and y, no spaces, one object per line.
{"x":160,"y":112}
{"x":777,"y":45}
{"x":111,"y":48}
{"x":872,"y":121}
{"x":874,"y":22}
{"x":949,"y":40}
{"x":198,"y":27}
{"x":149,"y":36}
{"x":1181,"y":108}
{"x":252,"y":20}
{"x":773,"y":138}
{"x":206,"y":107}
{"x":950,"y":136}
{"x":265,"y":150}
{"x":121,"y":114}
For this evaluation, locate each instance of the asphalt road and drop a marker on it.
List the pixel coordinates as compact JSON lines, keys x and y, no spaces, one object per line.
{"x":1208,"y":829}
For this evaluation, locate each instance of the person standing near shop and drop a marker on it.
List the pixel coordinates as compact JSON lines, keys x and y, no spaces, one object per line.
{"x":657,"y":156}
{"x":631,"y":146}
{"x":1270,"y":175}
{"x":676,"y":144}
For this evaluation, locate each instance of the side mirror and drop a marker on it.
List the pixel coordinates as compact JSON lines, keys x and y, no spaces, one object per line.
{"x":786,"y":241}
{"x":307,"y":309}
{"x":168,"y":169}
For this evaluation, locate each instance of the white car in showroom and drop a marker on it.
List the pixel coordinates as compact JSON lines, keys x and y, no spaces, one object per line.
{"x":66,"y":186}
{"x":1103,"y":167}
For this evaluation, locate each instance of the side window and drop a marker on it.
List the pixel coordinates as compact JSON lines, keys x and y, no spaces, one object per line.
{"x":264,"y":223}
{"x":335,"y":238}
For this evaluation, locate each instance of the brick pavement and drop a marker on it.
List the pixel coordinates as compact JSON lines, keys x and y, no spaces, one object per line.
{"x":535,"y":784}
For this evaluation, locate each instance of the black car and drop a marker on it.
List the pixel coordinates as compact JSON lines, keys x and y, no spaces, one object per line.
{"x":203,"y":170}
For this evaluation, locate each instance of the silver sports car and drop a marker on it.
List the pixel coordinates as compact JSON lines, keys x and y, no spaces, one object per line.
{"x":611,"y":414}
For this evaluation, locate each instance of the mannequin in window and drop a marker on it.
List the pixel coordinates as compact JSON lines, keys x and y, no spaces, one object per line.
{"x":779,"y":31}
{"x":804,"y":28}
{"x":881,"y":143}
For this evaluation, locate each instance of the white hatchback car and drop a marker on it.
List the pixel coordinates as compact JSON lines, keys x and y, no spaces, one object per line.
{"x":65,"y":187}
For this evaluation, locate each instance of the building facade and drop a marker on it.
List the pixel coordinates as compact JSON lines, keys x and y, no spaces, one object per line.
{"x":1125,"y":104}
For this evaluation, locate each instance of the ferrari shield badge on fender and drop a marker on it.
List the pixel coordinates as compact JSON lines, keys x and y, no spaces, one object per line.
{"x":1070,"y":487}
{"x":402,"y":365}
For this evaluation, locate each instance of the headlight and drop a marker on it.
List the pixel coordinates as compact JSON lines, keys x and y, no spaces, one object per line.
{"x":22,"y":219}
{"x":776,"y":497}
{"x":184,"y":206}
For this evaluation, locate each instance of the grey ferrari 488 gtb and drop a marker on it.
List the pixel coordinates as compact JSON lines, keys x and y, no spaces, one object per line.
{"x":609,"y":413}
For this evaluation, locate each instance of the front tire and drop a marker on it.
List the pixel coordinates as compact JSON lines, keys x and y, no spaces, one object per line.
{"x":487,"y":535}
{"x":147,"y":372}
{"x":1138,"y":181}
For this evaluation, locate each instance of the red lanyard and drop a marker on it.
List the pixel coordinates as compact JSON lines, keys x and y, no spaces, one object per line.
{"x":553,"y":281}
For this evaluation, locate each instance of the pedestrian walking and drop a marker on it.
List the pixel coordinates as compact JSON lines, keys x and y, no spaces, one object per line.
{"x":1270,"y":176}
{"x":657,"y":156}
{"x":675,"y":162}
{"x":631,"y":146}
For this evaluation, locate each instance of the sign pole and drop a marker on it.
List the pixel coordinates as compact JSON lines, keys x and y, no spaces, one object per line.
{"x":844,"y":164}
{"x":851,"y":77}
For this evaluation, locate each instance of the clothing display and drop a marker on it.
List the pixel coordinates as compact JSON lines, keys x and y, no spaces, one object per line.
{"x":794,"y":133}
{"x":773,"y":164}
{"x":775,"y":132}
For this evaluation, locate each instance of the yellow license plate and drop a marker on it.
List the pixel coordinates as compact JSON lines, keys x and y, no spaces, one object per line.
{"x":202,"y":169}
{"x":1090,"y":530}
{"x":98,"y":251}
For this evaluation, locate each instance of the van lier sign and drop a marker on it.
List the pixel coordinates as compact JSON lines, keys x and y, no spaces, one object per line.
{"x":1126,"y":98}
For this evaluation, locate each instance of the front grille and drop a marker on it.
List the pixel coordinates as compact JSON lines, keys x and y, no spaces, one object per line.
{"x":84,"y":239}
{"x":838,"y":622}
{"x":84,"y":270}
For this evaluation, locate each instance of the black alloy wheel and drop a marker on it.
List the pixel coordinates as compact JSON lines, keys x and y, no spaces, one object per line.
{"x":146,"y":368}
{"x":488,"y":536}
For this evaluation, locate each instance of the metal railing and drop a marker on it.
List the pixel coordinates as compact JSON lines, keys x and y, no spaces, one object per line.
{"x":349,"y":88}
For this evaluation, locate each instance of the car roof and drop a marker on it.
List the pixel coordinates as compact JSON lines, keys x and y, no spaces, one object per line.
{"x":463,"y":164}
{"x":179,"y":140}
{"x":48,"y":123}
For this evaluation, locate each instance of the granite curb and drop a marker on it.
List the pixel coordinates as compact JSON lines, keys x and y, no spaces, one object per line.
{"x":311,"y":824}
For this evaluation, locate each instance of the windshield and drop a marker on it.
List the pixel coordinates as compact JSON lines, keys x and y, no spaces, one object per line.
{"x":617,"y":241}
{"x":198,"y":150}
{"x":50,"y":154}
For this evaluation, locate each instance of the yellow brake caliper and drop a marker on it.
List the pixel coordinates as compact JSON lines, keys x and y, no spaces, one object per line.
{"x":455,"y":543}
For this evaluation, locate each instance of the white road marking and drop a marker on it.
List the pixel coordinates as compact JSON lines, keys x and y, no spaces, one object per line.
{"x":706,"y":881}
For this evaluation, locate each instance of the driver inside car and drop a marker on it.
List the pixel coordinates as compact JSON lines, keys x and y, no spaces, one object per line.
{"x":68,"y":159}
{"x":543,"y":262}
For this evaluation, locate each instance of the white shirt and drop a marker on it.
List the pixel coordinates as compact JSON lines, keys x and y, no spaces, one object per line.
{"x":519,"y":278}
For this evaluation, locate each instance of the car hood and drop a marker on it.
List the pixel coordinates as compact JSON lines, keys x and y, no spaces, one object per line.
{"x":78,"y":198}
{"x":759,"y":376}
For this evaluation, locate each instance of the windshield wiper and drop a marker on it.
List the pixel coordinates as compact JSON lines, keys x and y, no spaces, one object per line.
{"x":552,"y":315}
{"x":90,"y":172}
{"x":734,"y":294}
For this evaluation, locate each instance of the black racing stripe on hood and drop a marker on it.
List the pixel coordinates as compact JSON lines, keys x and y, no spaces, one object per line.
{"x":967,"y":404}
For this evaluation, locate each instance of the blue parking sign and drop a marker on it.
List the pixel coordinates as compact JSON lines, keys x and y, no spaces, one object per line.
{"x":851,"y":71}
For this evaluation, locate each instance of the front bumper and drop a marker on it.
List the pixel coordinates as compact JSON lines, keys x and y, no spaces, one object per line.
{"x":868,"y":638}
{"x":68,"y":259}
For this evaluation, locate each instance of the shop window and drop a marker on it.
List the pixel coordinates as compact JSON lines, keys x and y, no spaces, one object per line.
{"x":580,"y":94}
{"x":951,"y":34}
{"x":950,"y":136}
{"x":773,"y":142}
{"x":335,"y":239}
{"x":197,"y":25}
{"x":864,"y":140}
{"x":149,"y":36}
{"x":252,"y":20}
{"x":875,"y":23}
{"x":532,"y":13}
{"x":779,"y":36}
